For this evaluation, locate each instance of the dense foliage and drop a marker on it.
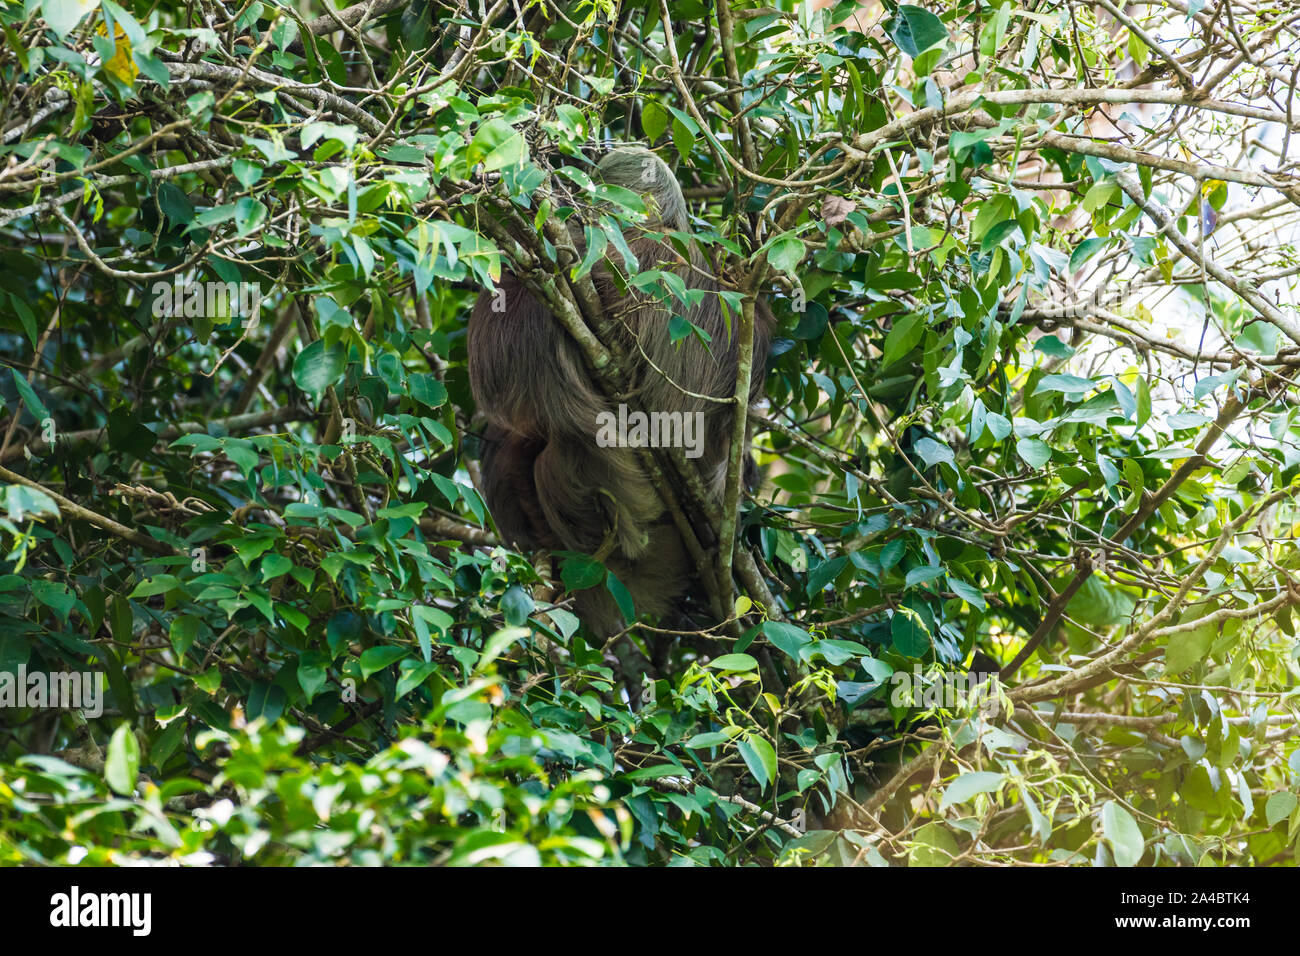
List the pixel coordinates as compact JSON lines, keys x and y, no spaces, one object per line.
{"x":1031,"y":408}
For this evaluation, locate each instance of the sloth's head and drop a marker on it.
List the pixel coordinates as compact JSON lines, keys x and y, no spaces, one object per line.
{"x":641,"y":171}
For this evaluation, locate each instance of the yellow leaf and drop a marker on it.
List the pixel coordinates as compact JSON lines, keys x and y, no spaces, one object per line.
{"x":121,"y":66}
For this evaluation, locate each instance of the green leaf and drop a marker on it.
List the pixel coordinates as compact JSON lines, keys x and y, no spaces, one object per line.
{"x":1085,"y":251}
{"x":1070,"y":384}
{"x":933,"y":845}
{"x":312,"y":132}
{"x":654,"y":120}
{"x":155,"y":584}
{"x":1143,"y":402}
{"x":317,"y":368}
{"x":1235,"y":555}
{"x":902,"y":338}
{"x":968,"y":593}
{"x":63,"y":15}
{"x":422,"y":618}
{"x":622,"y":596}
{"x":30,"y":398}
{"x":375,"y":659}
{"x":787,"y":637}
{"x":495,"y":645}
{"x":249,"y":215}
{"x":760,"y":758}
{"x":713,"y":739}
{"x":516,"y":605}
{"x":786,"y":252}
{"x":247,"y":173}
{"x":498,"y":145}
{"x":1121,"y":832}
{"x":1099,"y":604}
{"x":274,"y":565}
{"x":25,"y":315}
{"x":1035,"y":453}
{"x":175,"y":205}
{"x":56,"y":596}
{"x":738,"y":663}
{"x":683,"y":138}
{"x":1279,"y":806}
{"x":968,"y":785}
{"x":1100,"y":194}
{"x":412,"y":676}
{"x":578,"y":574}
{"x":915,"y":29}
{"x":122,"y":762}
{"x":1186,"y":648}
{"x":21,"y":501}
{"x":426,"y":390}
{"x":1208,"y":384}
{"x":1053,"y":347}
{"x":933,"y":452}
{"x":182,"y":634}
{"x":995,"y":236}
{"x":922,"y":574}
{"x":998,"y":425}
{"x":910,"y":632}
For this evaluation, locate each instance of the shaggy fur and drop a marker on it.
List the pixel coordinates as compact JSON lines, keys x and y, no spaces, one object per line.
{"x":548,"y":483}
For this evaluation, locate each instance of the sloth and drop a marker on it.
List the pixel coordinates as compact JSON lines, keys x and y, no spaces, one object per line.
{"x":552,"y":477}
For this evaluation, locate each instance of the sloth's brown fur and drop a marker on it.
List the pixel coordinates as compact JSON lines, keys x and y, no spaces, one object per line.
{"x":547,"y":481}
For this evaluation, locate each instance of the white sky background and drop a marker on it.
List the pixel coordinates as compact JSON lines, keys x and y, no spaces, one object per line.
{"x":1179,"y":312}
